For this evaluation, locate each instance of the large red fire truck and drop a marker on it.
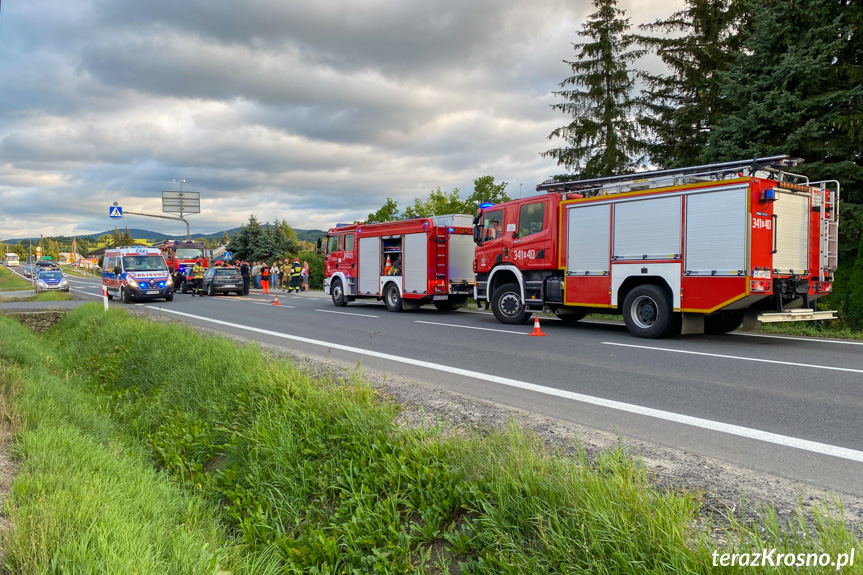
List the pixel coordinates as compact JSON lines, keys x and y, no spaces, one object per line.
{"x":697,"y":250}
{"x":406,"y":263}
{"x":181,"y":257}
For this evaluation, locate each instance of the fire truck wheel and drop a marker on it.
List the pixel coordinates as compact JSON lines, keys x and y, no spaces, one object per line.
{"x":648,"y":313}
{"x":568,"y":315}
{"x":392,"y":297}
{"x":723,"y":322}
{"x":338,"y":293}
{"x":507,"y":306}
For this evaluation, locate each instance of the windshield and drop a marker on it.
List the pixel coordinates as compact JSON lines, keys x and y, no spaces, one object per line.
{"x":144,"y":264}
{"x":188,"y":253}
{"x":51,"y":275}
{"x":491,"y":225}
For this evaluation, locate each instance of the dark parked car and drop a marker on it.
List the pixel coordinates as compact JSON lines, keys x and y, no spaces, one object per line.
{"x":223,"y":280}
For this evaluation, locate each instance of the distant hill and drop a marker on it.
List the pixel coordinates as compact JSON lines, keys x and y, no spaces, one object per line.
{"x":139,"y":234}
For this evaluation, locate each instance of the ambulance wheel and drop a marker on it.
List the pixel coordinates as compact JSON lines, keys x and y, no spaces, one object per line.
{"x":507,"y":306}
{"x":569,"y":315}
{"x":338,"y":293}
{"x":648,"y":313}
{"x":110,"y":297}
{"x":392,"y":297}
{"x":169,"y":297}
{"x":723,"y":322}
{"x":124,"y":296}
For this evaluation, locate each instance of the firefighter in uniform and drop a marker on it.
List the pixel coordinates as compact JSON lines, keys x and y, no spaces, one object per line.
{"x":198,"y":278}
{"x":296,"y":272}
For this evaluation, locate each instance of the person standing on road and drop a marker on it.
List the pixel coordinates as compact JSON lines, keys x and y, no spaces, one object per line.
{"x":304,"y":277}
{"x":296,"y":272}
{"x":274,"y":275}
{"x":256,"y":274}
{"x":244,"y":271}
{"x":265,"y":279}
{"x":198,"y":278}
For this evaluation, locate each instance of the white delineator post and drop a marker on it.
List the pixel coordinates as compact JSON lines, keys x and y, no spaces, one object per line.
{"x":105,"y":296}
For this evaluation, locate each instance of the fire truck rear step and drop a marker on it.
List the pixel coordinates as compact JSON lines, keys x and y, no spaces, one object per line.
{"x":796,"y":315}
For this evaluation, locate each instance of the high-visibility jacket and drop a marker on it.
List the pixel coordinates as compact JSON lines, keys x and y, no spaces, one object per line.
{"x":296,"y":270}
{"x":197,"y":272}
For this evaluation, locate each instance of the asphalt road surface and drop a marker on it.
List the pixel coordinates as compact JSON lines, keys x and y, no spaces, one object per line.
{"x":783,"y":405}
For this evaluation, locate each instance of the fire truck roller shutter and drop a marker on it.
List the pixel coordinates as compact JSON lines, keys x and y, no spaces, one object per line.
{"x":415,"y":263}
{"x":791,"y":233}
{"x":461,"y":250}
{"x":717,"y":225}
{"x":648,"y":227}
{"x":587,"y":240}
{"x":370,"y":266}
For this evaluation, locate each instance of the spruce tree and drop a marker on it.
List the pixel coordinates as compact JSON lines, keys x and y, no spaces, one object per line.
{"x":679,"y":108}
{"x":603,"y":137}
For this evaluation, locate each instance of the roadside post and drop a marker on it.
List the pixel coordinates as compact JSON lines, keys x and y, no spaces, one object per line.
{"x":105,"y":296}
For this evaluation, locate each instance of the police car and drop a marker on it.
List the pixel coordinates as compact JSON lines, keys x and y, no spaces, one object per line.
{"x":51,"y":279}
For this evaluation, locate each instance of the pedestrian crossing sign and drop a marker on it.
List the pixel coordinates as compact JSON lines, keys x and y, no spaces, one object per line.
{"x":115,"y":212}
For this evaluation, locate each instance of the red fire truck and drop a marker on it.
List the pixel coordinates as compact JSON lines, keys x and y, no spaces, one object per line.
{"x":406,"y":263}
{"x":697,"y":250}
{"x":181,"y":256}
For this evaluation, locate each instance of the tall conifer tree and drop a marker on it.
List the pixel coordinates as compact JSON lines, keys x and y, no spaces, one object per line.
{"x":603,"y":137}
{"x":680,"y":107}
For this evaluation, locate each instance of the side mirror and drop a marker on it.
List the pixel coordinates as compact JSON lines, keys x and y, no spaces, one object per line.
{"x":319,"y":247}
{"x":117,"y":270}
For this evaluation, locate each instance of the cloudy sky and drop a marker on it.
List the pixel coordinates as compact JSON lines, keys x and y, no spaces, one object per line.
{"x":312,"y":112}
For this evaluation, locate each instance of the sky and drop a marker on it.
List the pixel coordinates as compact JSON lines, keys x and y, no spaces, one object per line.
{"x":311,"y":112}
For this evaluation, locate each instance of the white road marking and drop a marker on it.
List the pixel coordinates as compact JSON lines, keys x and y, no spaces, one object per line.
{"x":346,"y":313}
{"x":793,"y":338}
{"x":471,"y":327}
{"x":737,"y":430}
{"x":737,"y":357}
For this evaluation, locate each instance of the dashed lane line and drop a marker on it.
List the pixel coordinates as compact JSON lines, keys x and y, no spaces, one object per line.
{"x":735,"y":357}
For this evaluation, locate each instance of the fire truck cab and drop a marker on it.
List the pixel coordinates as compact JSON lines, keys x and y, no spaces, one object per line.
{"x":406,"y":263}
{"x":181,"y":256}
{"x":697,"y":250}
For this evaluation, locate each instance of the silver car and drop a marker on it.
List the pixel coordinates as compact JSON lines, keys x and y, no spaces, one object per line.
{"x":51,"y":280}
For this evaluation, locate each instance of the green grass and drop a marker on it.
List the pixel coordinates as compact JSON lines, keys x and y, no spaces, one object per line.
{"x":12,"y":282}
{"x":251,"y":464}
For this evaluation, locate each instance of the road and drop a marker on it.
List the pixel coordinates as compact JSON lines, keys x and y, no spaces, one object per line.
{"x":783,"y":405}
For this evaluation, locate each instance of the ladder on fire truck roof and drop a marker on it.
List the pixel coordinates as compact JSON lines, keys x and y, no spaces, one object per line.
{"x":675,"y":176}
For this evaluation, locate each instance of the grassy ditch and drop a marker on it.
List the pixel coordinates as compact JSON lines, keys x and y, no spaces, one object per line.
{"x":252,"y":466}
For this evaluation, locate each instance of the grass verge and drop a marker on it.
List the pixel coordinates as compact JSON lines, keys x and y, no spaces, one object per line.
{"x":316,"y":476}
{"x":12,"y":282}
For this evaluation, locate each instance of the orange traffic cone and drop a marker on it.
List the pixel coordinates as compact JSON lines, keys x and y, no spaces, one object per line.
{"x":276,"y":301}
{"x":387,"y":265}
{"x":536,"y":330}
